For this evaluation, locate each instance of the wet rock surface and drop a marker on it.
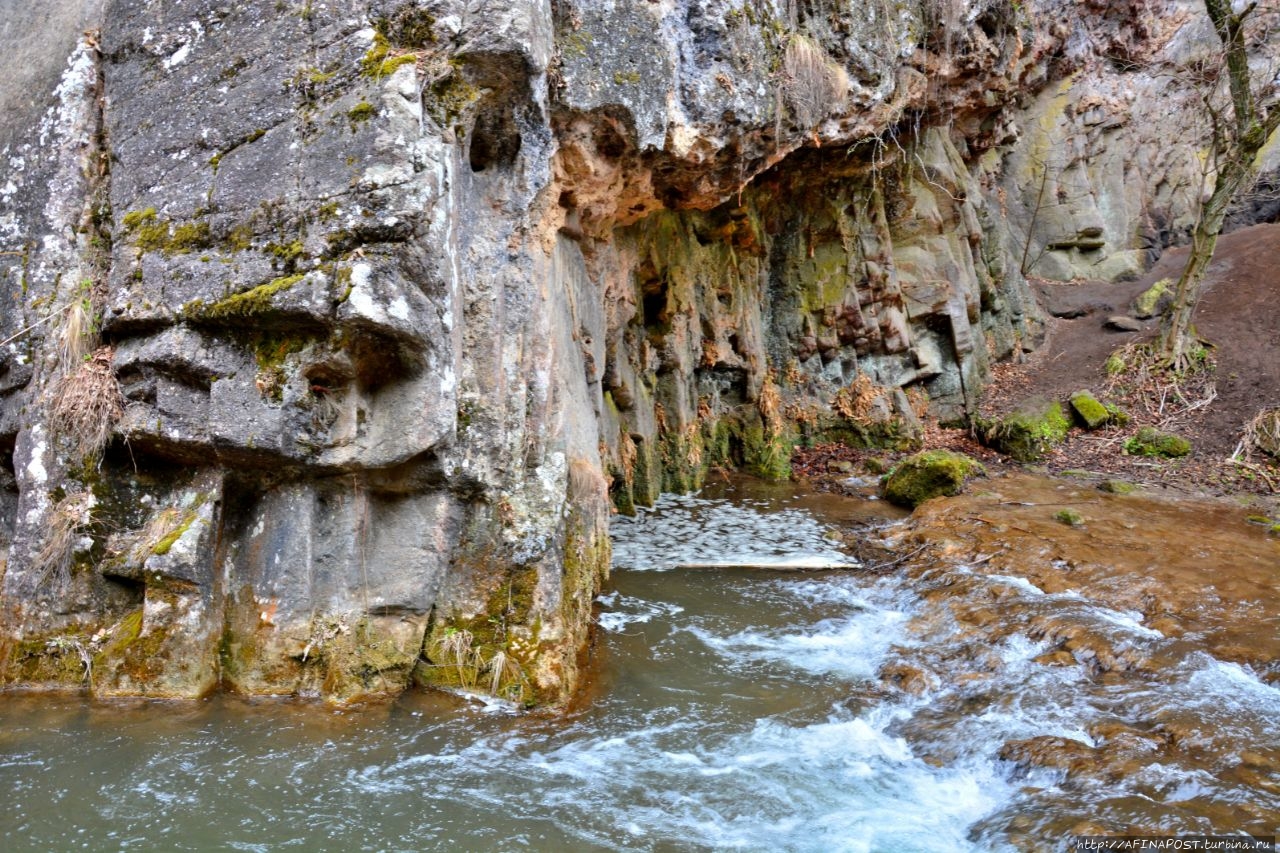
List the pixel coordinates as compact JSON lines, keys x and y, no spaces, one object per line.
{"x":1121,"y":628}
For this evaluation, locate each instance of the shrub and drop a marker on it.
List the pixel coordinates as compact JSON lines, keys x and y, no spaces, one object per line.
{"x":86,"y":405}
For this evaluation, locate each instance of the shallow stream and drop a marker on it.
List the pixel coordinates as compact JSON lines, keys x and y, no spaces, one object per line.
{"x":752,"y":709}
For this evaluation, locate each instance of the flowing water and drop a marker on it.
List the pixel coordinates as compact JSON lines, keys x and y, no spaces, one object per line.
{"x":748,"y":709}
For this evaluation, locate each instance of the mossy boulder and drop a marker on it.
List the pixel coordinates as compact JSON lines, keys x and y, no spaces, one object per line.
{"x":1027,"y":434}
{"x":1154,"y":300}
{"x":1088,"y":412}
{"x":1151,"y":442}
{"x":1117,"y":487}
{"x":1118,"y":416}
{"x":930,"y":474}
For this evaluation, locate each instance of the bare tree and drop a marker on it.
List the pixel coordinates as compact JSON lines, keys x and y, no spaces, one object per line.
{"x":1240,"y":129}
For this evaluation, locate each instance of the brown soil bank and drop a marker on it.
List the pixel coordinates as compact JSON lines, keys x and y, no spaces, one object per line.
{"x":1239,"y":316}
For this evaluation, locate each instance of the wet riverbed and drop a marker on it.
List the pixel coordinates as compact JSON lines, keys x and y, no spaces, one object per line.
{"x":953,"y":703}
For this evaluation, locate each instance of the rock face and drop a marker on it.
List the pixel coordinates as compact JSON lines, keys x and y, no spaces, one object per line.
{"x":330,"y":334}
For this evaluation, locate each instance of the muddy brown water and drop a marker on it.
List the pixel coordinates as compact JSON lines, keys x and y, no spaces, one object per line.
{"x":1015,"y":681}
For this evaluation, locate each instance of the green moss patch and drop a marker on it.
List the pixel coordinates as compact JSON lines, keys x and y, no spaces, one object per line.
{"x":930,"y":474}
{"x":134,"y":218}
{"x":1151,"y":442}
{"x":1069,"y":517}
{"x":361,"y":113}
{"x":244,"y":306}
{"x":152,"y":234}
{"x":1027,"y":434}
{"x":380,"y":61}
{"x":1089,"y":413}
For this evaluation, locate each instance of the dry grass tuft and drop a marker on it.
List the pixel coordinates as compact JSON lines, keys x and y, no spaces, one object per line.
{"x":770,"y":404}
{"x":76,"y":335}
{"x":505,"y":672}
{"x":327,"y":407}
{"x":857,"y":401}
{"x":458,"y":646}
{"x":812,"y":85}
{"x":86,"y":405}
{"x":67,"y":521}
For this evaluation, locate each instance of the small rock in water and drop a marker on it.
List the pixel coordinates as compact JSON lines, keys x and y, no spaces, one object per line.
{"x":928,"y":475}
{"x":1069,"y":517}
{"x":1122,"y":323}
{"x":856,"y":482}
{"x":1117,"y":487}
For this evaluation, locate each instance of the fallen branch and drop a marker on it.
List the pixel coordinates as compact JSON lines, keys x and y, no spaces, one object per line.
{"x":1256,"y":470}
{"x":894,"y":563}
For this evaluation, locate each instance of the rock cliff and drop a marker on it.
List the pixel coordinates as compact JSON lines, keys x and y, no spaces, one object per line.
{"x":332,"y":332}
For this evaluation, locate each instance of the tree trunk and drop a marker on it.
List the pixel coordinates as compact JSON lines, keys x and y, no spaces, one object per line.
{"x":1235,"y":151}
{"x":1177,"y":339}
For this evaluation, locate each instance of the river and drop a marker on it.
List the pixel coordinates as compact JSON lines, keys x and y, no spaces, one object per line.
{"x":858,"y":707}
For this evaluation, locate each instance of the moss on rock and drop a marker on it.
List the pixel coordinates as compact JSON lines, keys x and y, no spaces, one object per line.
{"x":1154,"y":300}
{"x":1027,"y":434}
{"x":930,"y":474}
{"x":1069,"y":517}
{"x":1089,"y":413}
{"x":1151,"y":442}
{"x":244,"y":306}
{"x":1117,"y":487}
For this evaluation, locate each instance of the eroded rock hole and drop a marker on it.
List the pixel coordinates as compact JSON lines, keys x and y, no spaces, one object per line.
{"x":655,"y":308}
{"x":8,"y":491}
{"x":495,"y":139}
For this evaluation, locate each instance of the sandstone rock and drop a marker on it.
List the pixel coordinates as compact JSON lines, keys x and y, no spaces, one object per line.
{"x":1154,"y":300}
{"x":1117,"y":487}
{"x":1027,"y":433}
{"x":1151,"y":442}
